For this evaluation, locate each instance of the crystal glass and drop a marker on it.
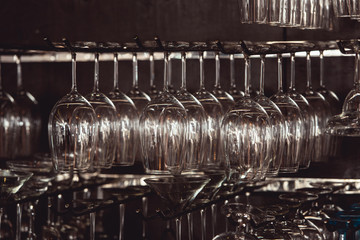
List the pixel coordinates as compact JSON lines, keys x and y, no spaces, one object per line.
{"x":196,"y":124}
{"x":311,"y":141}
{"x":246,"y":135}
{"x":177,"y":192}
{"x":340,"y":8}
{"x":260,"y":8}
{"x":72,"y":130}
{"x":8,"y":126}
{"x":163,"y":126}
{"x":347,"y":123}
{"x":127,"y":123}
{"x":29,"y":121}
{"x":226,"y":100}
{"x":214,"y":115}
{"x":234,"y":92}
{"x":294,"y":125}
{"x":273,"y":12}
{"x":277,"y":126}
{"x":246,"y":11}
{"x":140,"y":98}
{"x":106,"y":124}
{"x":322,"y":114}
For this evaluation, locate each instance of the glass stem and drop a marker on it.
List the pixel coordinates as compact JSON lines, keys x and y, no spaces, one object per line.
{"x":247,"y":75}
{"x":178,"y":228}
{"x":190,"y":220}
{"x":96,"y":75}
{"x":202,"y":76}
{"x":213,"y":219}
{"x":232,"y":71}
{"x":356,"y":73}
{"x":169,"y":71}
{"x":166,"y":69}
{"x":152,"y":70}
{"x":322,"y":83}
{"x":1,"y":84}
{"x":145,"y":211}
{"x":226,"y":219}
{"x":122,"y":221}
{"x":73,"y":72}
{"x":116,"y":72}
{"x":292,"y":72}
{"x":308,"y":70}
{"x":92,"y":226}
{"x":31,"y":221}
{"x":217,"y":70}
{"x":19,"y":73}
{"x":135,"y":72}
{"x":183,"y":71}
{"x":18,"y":221}
{"x":280,"y":74}
{"x":262,"y":74}
{"x":203,"y":223}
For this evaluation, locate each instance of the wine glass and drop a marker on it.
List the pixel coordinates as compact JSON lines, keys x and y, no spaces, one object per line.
{"x":8,"y":126}
{"x":234,"y":92}
{"x":246,"y":135}
{"x":347,"y":123}
{"x":226,"y":100}
{"x":322,"y":113}
{"x":153,"y":92}
{"x":277,"y":125}
{"x":107,"y":132}
{"x":72,"y":131}
{"x":127,"y":120}
{"x":163,"y":126}
{"x":177,"y":192}
{"x":311,"y":141}
{"x":29,"y":121}
{"x":196,"y":124}
{"x":294,"y":125}
{"x":214,"y":114}
{"x":140,"y":98}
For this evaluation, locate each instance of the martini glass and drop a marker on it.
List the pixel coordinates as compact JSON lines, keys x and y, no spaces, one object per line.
{"x":153,"y":92}
{"x":294,"y":125}
{"x":163,"y":126}
{"x":177,"y":192}
{"x":226,"y":100}
{"x":126,"y":121}
{"x":234,"y":92}
{"x":277,"y":125}
{"x":106,"y":122}
{"x":29,"y":122}
{"x":72,"y":131}
{"x":8,"y":124}
{"x":246,"y":135}
{"x":140,"y":98}
{"x":311,"y":140}
{"x":347,"y":123}
{"x":322,"y":113}
{"x":196,"y":124}
{"x":214,"y":114}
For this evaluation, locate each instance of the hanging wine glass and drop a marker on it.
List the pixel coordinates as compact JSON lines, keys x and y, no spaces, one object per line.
{"x":311,"y":140}
{"x":163,"y":131}
{"x":246,"y":135}
{"x":29,"y":121}
{"x":140,"y":98}
{"x":8,"y":125}
{"x":72,"y":131}
{"x":196,"y":124}
{"x":153,"y":92}
{"x":126,"y":121}
{"x":234,"y":92}
{"x":214,"y":114}
{"x":171,"y":86}
{"x":294,"y":125}
{"x":277,"y":126}
{"x":226,"y":100}
{"x":322,"y":113}
{"x":107,"y":132}
{"x":347,"y":123}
